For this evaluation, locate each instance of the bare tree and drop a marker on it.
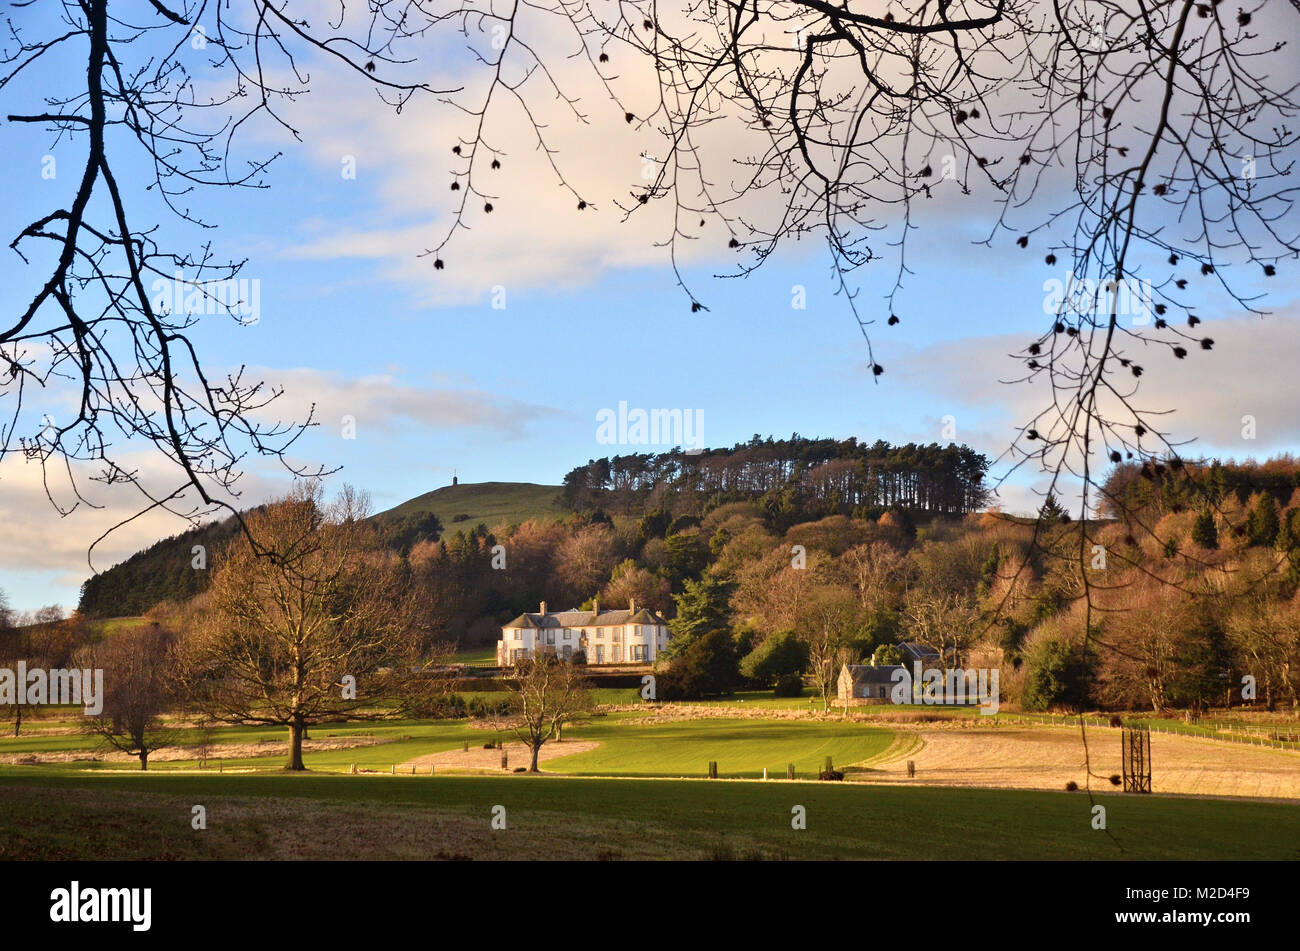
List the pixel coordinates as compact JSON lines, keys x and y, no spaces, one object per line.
{"x":826,"y":628}
{"x":319,"y":631}
{"x":548,"y":692}
{"x":139,"y":687}
{"x":44,"y":639}
{"x":1266,"y":635}
{"x":947,"y":622}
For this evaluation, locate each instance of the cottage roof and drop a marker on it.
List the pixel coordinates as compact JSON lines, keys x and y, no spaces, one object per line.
{"x":867,"y":674}
{"x":917,"y":651}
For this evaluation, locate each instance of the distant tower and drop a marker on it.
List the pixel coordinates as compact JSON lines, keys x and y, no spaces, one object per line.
{"x":454,"y":480}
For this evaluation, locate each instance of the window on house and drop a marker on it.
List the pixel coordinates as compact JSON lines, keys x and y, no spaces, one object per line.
{"x":567,"y":634}
{"x":518,"y":634}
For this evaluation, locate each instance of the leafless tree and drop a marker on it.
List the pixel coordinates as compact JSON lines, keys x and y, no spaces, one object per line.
{"x":319,"y":631}
{"x":45,"y":639}
{"x":139,"y":687}
{"x":945,"y":621}
{"x":826,"y":628}
{"x":547,"y":692}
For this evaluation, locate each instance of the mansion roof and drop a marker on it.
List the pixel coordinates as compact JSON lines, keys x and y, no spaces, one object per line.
{"x":585,"y":619}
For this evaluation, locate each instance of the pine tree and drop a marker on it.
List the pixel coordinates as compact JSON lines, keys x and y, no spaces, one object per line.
{"x":1263,"y":523}
{"x":1205,"y":533}
{"x":1052,"y":511}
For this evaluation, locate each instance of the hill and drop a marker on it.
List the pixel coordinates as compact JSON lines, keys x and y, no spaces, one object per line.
{"x":163,"y":571}
{"x":492,"y":503}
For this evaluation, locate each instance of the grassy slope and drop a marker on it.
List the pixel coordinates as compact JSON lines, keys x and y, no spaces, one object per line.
{"x":493,"y":503}
{"x":147,"y":816}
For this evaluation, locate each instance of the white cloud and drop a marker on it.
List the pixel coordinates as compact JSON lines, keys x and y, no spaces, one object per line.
{"x":385,"y":402}
{"x":1249,"y":372}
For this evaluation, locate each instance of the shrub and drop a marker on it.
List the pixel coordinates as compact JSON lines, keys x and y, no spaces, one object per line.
{"x":708,"y":667}
{"x":831,"y":775}
{"x":483,"y":707}
{"x":781,"y":655}
{"x":1054,"y":676}
{"x":791,"y":685}
{"x":1072,"y":786}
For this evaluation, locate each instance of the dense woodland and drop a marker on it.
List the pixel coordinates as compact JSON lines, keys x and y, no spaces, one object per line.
{"x":795,"y":479}
{"x":166,"y":570}
{"x":1190,"y":585}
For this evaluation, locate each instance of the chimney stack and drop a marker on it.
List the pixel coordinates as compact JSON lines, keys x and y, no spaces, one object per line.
{"x":631,"y":605}
{"x":543,"y":608}
{"x":595,"y":608}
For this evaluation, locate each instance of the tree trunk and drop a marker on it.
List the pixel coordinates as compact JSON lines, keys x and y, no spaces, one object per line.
{"x":144,"y":759}
{"x":537,"y":748}
{"x":296,"y":729}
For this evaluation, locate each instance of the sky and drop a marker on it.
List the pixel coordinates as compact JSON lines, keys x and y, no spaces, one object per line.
{"x":437,"y":380}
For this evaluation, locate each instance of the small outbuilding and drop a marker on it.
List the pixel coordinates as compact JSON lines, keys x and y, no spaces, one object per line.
{"x":866,"y":683}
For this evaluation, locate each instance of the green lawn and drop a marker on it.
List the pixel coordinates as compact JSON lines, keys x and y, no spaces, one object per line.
{"x":147,"y":816}
{"x":742,"y":748}
{"x":631,"y":745}
{"x":476,"y":655}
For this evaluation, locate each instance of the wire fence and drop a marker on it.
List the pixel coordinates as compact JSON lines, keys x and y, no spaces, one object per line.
{"x":1245,"y":734}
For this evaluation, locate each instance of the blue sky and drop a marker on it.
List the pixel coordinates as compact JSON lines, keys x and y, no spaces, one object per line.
{"x":438,"y":380}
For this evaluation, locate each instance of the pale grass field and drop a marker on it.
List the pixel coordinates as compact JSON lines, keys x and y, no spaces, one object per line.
{"x":477,"y":759}
{"x":1047,"y":757}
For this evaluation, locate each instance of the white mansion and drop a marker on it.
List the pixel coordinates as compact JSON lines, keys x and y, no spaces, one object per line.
{"x":608,"y":637}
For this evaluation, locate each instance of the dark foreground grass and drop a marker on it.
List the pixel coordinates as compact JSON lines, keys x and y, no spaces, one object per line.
{"x":66,"y":814}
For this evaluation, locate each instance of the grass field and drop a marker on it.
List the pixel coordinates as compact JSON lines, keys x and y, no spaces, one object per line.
{"x":476,"y":655}
{"x":492,"y":503}
{"x":65,"y":814}
{"x":741,"y":748}
{"x":651,"y":800}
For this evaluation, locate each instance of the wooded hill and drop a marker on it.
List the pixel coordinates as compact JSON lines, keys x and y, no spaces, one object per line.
{"x":796,"y":478}
{"x":165,"y":570}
